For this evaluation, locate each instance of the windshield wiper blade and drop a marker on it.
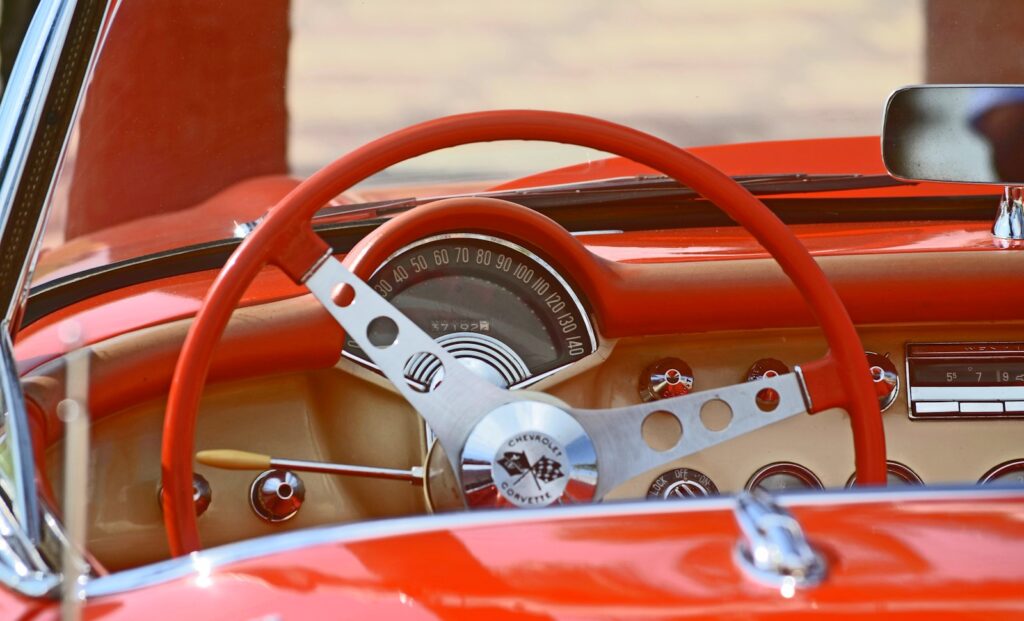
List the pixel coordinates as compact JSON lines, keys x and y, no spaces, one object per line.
{"x":624,"y":189}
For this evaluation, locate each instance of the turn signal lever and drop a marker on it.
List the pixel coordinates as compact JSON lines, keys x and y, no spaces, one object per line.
{"x":229,"y":459}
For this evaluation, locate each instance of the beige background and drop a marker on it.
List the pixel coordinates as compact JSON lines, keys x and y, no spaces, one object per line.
{"x":691,"y":72}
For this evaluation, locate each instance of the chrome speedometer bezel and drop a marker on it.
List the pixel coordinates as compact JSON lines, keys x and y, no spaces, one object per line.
{"x":574,"y":297}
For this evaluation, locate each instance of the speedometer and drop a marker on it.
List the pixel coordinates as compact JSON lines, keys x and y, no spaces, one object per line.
{"x":497,"y":307}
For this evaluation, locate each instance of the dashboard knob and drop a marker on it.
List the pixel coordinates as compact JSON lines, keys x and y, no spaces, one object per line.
{"x":276,"y":495}
{"x":666,"y":378}
{"x":767,"y":399}
{"x":202,"y":494}
{"x":886,"y":378}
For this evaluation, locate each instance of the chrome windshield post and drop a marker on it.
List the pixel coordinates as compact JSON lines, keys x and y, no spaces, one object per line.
{"x":39,"y":105}
{"x":18,"y":444}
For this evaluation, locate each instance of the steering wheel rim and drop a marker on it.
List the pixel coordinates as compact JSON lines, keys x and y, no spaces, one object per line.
{"x":286,"y":239}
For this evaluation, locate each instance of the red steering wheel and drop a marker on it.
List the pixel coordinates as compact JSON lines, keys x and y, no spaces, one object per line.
{"x":285,"y":238}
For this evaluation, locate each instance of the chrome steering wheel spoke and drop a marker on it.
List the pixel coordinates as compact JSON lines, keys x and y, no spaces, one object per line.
{"x":623,"y":453}
{"x":508,"y":449}
{"x":453,"y":406}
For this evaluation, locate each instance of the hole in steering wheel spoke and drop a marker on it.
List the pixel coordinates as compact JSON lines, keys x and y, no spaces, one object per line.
{"x":661,"y":430}
{"x":715,"y":415}
{"x":767,"y":399}
{"x":343,"y":294}
{"x":382,"y":332}
{"x":424,"y":372}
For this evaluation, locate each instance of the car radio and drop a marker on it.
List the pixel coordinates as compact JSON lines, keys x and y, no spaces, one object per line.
{"x":965,"y":380}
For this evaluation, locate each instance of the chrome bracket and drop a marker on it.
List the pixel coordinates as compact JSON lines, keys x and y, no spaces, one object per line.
{"x":1009,"y":222}
{"x":774,"y":550}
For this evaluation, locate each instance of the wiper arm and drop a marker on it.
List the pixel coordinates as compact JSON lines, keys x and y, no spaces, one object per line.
{"x":622,"y":189}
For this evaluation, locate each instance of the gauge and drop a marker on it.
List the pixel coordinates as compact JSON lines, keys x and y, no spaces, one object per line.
{"x":1006,"y":473}
{"x":784,"y":476}
{"x":896,"y":474}
{"x":681,"y":483}
{"x":494,"y":305}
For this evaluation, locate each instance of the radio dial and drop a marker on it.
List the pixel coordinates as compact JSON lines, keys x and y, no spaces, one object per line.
{"x":886,"y":378}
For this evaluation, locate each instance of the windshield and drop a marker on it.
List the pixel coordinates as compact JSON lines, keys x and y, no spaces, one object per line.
{"x":194,"y":121}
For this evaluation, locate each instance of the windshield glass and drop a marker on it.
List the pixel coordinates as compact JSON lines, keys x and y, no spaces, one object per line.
{"x":195,"y":120}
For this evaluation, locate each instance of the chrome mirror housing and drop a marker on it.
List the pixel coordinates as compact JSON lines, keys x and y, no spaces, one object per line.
{"x":960,"y":134}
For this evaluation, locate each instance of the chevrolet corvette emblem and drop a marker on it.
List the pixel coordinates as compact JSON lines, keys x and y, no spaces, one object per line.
{"x":530,"y":472}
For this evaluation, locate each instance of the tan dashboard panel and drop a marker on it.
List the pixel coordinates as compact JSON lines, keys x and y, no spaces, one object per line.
{"x":947,"y":451}
{"x":326,"y":415}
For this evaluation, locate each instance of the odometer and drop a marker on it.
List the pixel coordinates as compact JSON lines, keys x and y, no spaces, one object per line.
{"x":496,"y":306}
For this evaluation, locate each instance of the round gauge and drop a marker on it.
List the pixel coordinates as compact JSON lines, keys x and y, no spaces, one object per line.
{"x":681,"y":483}
{"x":784,"y":476}
{"x":896,"y":475}
{"x":497,"y":307}
{"x":1006,"y":473}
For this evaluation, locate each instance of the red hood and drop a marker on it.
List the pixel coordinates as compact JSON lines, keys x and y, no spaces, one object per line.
{"x":888,"y":556}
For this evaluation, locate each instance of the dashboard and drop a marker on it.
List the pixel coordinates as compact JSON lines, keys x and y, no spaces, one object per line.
{"x":533,"y":320}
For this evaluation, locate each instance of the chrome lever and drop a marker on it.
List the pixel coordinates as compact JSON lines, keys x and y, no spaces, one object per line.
{"x":228,"y":459}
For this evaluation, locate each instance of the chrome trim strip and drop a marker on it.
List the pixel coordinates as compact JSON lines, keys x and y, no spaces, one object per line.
{"x":316,"y":264}
{"x":204,"y":562}
{"x":20,"y":115}
{"x":803,"y":388}
{"x":577,"y":302}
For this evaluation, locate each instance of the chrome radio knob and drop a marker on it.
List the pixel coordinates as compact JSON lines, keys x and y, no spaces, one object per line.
{"x":666,"y":378}
{"x":886,"y":378}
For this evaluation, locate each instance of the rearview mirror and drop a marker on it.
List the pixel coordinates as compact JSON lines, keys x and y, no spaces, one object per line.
{"x":963,"y":134}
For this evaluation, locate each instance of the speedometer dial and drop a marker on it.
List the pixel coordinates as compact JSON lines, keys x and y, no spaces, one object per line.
{"x":497,"y":307}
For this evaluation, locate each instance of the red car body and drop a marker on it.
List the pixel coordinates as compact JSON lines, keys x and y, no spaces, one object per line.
{"x":923,"y":554}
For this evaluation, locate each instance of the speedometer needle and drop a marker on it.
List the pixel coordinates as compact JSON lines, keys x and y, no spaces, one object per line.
{"x":230,"y":459}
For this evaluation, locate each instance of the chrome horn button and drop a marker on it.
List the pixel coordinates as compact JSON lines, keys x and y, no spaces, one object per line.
{"x":528,"y":454}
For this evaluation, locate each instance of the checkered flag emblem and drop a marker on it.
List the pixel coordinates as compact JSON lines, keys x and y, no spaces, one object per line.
{"x":547,"y":469}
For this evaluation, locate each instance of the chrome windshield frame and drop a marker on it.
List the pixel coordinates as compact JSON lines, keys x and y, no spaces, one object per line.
{"x":37,"y":112}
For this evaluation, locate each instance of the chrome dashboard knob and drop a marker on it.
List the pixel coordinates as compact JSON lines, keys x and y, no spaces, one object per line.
{"x":767,"y":399}
{"x":202,"y":494}
{"x":277,"y":495}
{"x":666,"y":378}
{"x":886,"y":378}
